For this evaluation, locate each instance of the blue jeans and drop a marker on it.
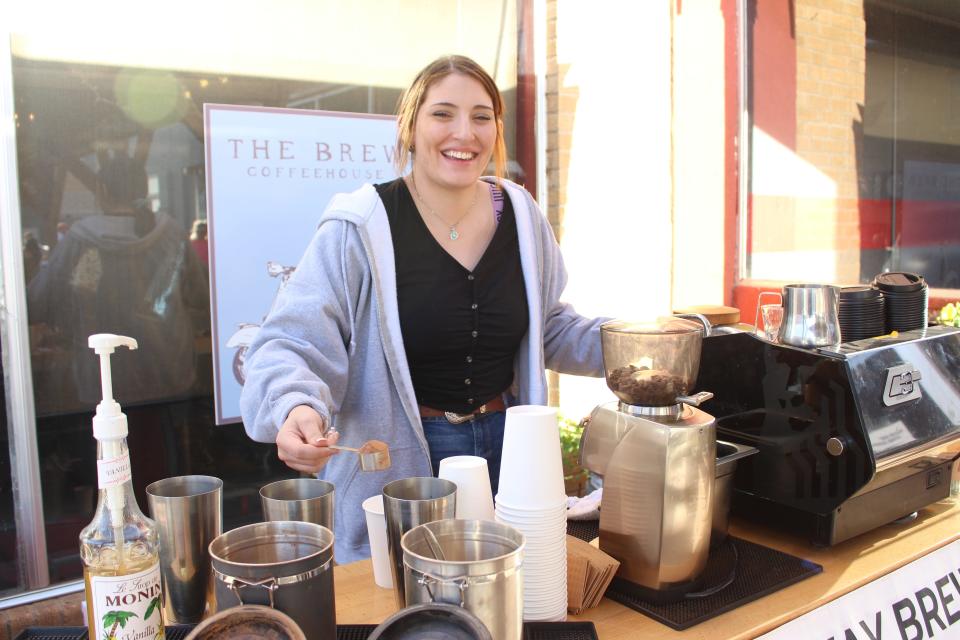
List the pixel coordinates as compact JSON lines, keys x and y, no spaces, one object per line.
{"x":480,"y":436}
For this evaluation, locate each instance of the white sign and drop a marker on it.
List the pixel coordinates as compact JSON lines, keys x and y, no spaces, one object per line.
{"x":270,"y":174}
{"x":918,"y":601}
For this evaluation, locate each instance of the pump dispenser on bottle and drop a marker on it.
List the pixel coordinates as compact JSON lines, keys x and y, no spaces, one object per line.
{"x":119,"y":547}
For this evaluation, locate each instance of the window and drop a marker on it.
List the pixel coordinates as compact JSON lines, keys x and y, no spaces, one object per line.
{"x":855,"y":141}
{"x":110,"y":163}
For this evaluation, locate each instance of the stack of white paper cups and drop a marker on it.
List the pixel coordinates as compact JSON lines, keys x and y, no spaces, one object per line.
{"x":531,"y":499}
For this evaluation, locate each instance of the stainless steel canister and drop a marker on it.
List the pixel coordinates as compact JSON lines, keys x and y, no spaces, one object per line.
{"x":810,"y":315}
{"x":189,"y":515}
{"x":408,"y":503}
{"x":476,"y":564}
{"x":285,"y":565}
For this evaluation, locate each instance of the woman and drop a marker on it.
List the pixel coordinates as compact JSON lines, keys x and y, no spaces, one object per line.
{"x":419,"y":308}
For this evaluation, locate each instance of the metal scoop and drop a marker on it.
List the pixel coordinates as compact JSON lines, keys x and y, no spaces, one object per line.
{"x":433,"y":543}
{"x":374,"y":454}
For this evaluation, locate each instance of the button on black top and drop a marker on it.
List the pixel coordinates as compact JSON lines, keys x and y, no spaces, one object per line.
{"x":461,"y":329}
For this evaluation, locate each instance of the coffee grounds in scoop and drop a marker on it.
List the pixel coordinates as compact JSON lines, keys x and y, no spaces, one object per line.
{"x":374,"y":446}
{"x":643,"y":386}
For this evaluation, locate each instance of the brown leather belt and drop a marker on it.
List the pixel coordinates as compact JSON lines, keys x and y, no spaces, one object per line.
{"x":495,"y":404}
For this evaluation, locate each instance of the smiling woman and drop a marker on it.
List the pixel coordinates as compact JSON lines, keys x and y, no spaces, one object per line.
{"x":442,"y":297}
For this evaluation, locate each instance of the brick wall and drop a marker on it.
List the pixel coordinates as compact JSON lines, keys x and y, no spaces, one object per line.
{"x":55,"y":612}
{"x":556,"y":182}
{"x":830,"y":36}
{"x":560,"y":109}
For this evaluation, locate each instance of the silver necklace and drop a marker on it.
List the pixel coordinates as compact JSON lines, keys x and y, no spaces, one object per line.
{"x":454,"y":234}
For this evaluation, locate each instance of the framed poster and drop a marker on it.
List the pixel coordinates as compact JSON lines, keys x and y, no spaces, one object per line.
{"x":270,"y":173}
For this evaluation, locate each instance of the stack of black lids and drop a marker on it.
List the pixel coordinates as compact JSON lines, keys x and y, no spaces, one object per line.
{"x":906,"y":300}
{"x":861,"y":313}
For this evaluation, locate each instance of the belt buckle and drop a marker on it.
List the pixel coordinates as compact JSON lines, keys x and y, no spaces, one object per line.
{"x":456,"y":418}
{"x":460,"y":418}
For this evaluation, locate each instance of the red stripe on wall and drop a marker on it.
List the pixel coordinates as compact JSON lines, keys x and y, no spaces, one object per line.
{"x":920,"y":223}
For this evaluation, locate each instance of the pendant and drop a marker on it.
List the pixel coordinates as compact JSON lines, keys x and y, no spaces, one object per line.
{"x":453,"y":233}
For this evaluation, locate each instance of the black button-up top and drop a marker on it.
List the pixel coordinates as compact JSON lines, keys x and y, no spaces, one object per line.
{"x":461,"y":329}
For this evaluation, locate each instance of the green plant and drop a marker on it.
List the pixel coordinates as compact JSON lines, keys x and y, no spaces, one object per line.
{"x":950,"y":314}
{"x":574,"y":476}
{"x":570,"y":432}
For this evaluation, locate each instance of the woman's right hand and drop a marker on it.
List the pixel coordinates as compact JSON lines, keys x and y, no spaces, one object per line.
{"x":303,"y":439}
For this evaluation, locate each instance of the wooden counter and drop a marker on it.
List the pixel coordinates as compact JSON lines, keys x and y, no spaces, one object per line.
{"x":845,"y":567}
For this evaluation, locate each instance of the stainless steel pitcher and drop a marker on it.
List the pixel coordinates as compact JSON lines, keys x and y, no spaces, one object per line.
{"x":810,"y":315}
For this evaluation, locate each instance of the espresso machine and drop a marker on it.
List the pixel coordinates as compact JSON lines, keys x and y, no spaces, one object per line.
{"x":850,"y":436}
{"x":656,"y":452}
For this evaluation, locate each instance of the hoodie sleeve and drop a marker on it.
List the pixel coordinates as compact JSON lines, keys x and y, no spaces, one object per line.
{"x":301,"y":352}
{"x":571,"y":342}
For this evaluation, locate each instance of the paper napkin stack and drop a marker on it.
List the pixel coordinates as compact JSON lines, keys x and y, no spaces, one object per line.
{"x":589,"y":572}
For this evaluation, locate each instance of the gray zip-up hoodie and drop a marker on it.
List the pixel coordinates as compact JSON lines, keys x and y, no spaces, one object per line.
{"x":332,"y":341}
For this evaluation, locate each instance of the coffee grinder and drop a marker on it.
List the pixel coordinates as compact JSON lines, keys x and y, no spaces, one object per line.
{"x":656,"y":452}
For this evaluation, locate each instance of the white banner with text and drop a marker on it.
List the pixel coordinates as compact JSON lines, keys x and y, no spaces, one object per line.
{"x":918,"y":601}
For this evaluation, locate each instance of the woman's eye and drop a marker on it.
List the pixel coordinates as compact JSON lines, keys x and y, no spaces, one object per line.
{"x":483,"y":117}
{"x":441,"y":114}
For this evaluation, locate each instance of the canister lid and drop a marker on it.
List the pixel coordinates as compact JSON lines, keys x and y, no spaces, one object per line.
{"x":248,"y":621}
{"x":431,"y":620}
{"x":716,"y":314}
{"x":899,"y":282}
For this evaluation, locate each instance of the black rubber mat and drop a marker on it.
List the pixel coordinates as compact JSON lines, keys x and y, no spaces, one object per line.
{"x":559,"y":631}
{"x":737,"y":572}
{"x":531,"y":631}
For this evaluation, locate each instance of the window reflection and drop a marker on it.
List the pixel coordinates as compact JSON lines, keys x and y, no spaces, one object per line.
{"x":910,"y":176}
{"x":112,"y":191}
{"x":855,"y":146}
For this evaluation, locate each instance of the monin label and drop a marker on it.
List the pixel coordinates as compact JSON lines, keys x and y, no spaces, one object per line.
{"x":127,"y":607}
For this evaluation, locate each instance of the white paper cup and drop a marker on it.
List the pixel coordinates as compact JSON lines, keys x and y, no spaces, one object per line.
{"x":474,"y":496}
{"x":377,"y":531}
{"x":531,"y":466}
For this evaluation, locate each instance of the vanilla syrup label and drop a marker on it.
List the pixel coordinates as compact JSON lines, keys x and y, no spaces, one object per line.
{"x":113,"y":472}
{"x":127,"y":607}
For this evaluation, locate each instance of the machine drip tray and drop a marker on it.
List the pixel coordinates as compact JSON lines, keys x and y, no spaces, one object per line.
{"x":759,"y":571}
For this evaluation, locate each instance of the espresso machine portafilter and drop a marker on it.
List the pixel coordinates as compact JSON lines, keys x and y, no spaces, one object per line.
{"x":656,"y":453}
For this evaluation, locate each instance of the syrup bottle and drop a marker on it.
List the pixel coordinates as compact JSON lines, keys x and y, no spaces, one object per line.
{"x":119,"y":548}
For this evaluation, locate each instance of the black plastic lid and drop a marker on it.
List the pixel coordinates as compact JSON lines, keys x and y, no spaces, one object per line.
{"x":899,"y":282}
{"x":858,"y":293}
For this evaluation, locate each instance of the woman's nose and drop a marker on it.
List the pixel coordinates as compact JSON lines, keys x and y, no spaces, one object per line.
{"x":463,"y":128}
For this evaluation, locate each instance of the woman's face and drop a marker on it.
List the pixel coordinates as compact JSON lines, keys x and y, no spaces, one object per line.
{"x":454,"y":133}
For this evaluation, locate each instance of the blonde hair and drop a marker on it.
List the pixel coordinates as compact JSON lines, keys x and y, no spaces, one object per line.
{"x":412,"y":99}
